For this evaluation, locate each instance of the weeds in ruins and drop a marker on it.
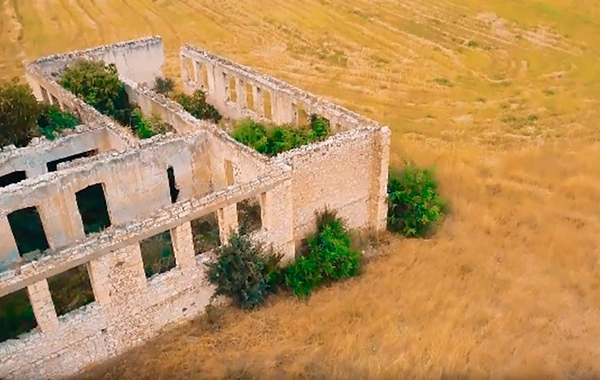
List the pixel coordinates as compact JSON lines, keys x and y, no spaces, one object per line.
{"x":272,"y":140}
{"x":197,"y":106}
{"x":244,"y":270}
{"x":157,"y":254}
{"x":52,"y":121}
{"x":414,"y":202}
{"x":16,"y":315}
{"x":329,"y":257}
{"x":205,"y":233}
{"x":164,"y":85}
{"x":99,"y":85}
{"x":22,"y":117}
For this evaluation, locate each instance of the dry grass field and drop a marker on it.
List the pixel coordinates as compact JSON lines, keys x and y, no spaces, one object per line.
{"x":501,"y":96}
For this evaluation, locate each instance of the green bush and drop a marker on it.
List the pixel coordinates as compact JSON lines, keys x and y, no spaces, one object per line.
{"x":164,"y":85}
{"x":272,"y":140}
{"x":52,"y":121}
{"x":98,"y":84}
{"x":244,"y":270}
{"x":197,"y":106}
{"x":414,"y":205}
{"x":19,"y":112}
{"x":330,"y":257}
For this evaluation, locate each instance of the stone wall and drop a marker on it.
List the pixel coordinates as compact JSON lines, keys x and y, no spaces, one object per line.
{"x":34,"y":158}
{"x":213,"y":172}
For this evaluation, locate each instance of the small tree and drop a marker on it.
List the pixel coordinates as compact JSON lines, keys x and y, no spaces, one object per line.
{"x":414,"y":205}
{"x":19,"y":112}
{"x":197,"y":106}
{"x":99,"y":85}
{"x":244,"y":270}
{"x":52,"y":121}
{"x":164,"y":85}
{"x":329,"y":258}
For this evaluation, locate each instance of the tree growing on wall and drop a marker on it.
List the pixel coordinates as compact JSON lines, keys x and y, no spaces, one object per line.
{"x":19,"y":112}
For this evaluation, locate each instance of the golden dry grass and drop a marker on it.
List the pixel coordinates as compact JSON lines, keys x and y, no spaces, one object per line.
{"x":499,"y":95}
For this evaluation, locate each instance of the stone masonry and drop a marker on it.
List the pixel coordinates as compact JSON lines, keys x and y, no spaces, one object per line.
{"x":213,"y":172}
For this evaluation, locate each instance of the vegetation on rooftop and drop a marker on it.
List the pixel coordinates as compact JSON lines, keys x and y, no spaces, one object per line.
{"x":98,"y":84}
{"x":272,"y":140}
{"x":195,"y":104}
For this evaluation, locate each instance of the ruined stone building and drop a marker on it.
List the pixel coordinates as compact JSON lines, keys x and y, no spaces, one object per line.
{"x":134,"y":181}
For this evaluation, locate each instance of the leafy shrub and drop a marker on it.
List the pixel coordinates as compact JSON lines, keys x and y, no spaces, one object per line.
{"x":273,"y":140}
{"x":197,"y":106}
{"x":330,"y":257}
{"x":164,"y":85}
{"x":146,"y":127}
{"x":52,"y":121}
{"x":99,"y":85}
{"x":244,"y":270}
{"x":414,"y":205}
{"x":19,"y":111}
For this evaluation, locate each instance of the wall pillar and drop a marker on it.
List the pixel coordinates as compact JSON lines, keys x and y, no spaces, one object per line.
{"x":257,"y":95}
{"x":183,"y":246}
{"x":9,"y":253}
{"x":98,"y":270}
{"x":283,"y":109}
{"x":210,"y":75}
{"x":240,"y":90}
{"x":61,"y":219}
{"x":228,"y":222}
{"x":42,"y":305}
{"x":185,"y":75}
{"x":278,"y":220}
{"x":126,"y":276}
{"x":379,"y":180}
{"x":197,"y":72}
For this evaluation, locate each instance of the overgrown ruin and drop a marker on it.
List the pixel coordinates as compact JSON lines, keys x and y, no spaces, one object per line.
{"x":169,"y":185}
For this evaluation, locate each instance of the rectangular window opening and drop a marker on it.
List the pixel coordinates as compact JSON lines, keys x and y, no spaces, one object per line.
{"x":92,"y":206}
{"x":28,"y":230}
{"x":55,"y":101}
{"x":188,"y":73}
{"x":53,"y":165}
{"x":71,"y":290}
{"x":205,"y":233}
{"x":249,"y":97}
{"x":267,"y":105}
{"x":16,"y":315}
{"x":157,"y":254}
{"x":232,"y":90}
{"x":249,"y":214}
{"x":45,"y":97}
{"x":302,"y":116}
{"x":229,"y":176}
{"x":173,"y":189}
{"x":14,"y":177}
{"x":204,"y":78}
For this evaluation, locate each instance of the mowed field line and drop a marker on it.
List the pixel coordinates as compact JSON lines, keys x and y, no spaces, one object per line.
{"x":499,"y":96}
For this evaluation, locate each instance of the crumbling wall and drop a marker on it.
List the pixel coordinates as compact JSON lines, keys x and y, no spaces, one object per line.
{"x":33,"y":158}
{"x":140,"y":60}
{"x":347,"y":172}
{"x":135,"y":184}
{"x":128,"y":308}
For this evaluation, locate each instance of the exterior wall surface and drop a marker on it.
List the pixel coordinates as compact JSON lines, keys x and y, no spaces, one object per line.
{"x":213,"y":173}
